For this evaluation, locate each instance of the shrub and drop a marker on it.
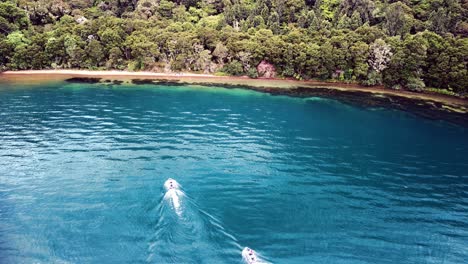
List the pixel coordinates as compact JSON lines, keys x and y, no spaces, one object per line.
{"x":233,"y":68}
{"x":441,"y":91}
{"x":252,"y":73}
{"x":415,"y":84}
{"x":373,"y":78}
{"x":288,"y":71}
{"x":220,"y":73}
{"x":135,"y":65}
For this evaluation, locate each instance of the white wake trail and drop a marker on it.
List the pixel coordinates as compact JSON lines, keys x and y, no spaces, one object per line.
{"x":186,"y":234}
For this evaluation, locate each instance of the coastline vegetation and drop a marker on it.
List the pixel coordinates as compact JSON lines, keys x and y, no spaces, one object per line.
{"x":442,"y":91}
{"x":401,"y":44}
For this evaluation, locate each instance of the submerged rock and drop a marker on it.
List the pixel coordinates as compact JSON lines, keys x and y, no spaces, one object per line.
{"x":83,"y":80}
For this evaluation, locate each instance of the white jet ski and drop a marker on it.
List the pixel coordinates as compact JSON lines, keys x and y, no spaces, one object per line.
{"x":171,"y":184}
{"x":250,"y":256}
{"x":173,"y":194}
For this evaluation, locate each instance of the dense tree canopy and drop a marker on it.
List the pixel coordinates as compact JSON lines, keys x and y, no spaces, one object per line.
{"x":401,"y":44}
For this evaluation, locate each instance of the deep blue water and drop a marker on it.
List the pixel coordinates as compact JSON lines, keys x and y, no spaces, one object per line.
{"x":299,"y":180}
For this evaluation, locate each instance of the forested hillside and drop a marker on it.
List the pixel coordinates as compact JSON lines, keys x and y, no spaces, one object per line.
{"x":411,"y":44}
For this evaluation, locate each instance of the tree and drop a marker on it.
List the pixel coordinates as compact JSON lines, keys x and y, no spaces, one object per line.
{"x":74,"y":51}
{"x":359,"y":10}
{"x":12,"y":18}
{"x":244,"y":58}
{"x":360,"y":54}
{"x":140,"y":45}
{"x":165,"y":8}
{"x":437,"y":67}
{"x":380,"y":55}
{"x":203,"y":61}
{"x":327,"y":66}
{"x":6,"y":51}
{"x":402,"y":44}
{"x":458,"y":53}
{"x":398,"y":19}
{"x":115,"y":60}
{"x":234,"y":68}
{"x":95,"y":54}
{"x":221,"y":53}
{"x":406,"y":67}
{"x":55,"y":47}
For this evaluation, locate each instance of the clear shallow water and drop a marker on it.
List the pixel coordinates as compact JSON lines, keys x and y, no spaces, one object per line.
{"x":299,"y":180}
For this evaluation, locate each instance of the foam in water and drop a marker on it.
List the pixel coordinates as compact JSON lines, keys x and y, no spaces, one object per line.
{"x":183,"y":226}
{"x":175,"y":196}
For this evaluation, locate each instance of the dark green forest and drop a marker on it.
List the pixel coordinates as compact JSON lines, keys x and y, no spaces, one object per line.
{"x":411,"y":44}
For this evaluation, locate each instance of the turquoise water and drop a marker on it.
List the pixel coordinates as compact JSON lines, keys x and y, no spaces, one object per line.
{"x":82,"y":168}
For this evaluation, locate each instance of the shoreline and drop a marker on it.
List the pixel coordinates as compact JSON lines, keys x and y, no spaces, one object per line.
{"x":428,"y":105}
{"x":280,"y":83}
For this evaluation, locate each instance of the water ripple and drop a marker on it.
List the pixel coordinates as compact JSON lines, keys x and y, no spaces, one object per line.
{"x":298,"y":180}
